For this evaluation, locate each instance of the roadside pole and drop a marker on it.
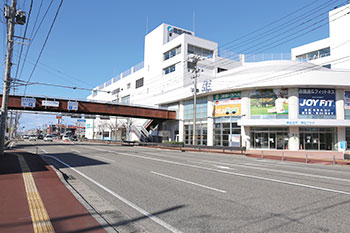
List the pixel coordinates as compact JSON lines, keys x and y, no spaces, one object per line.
{"x":7,"y":75}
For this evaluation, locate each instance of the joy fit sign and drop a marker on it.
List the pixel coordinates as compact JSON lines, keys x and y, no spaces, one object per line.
{"x":316,"y":101}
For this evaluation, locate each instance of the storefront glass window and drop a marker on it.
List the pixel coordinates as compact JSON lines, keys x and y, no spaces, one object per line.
{"x":201,"y":134}
{"x":269,"y":138}
{"x":222,"y":132}
{"x":317,"y":138}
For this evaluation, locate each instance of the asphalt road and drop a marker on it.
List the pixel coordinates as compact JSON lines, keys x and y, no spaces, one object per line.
{"x":170,"y":191}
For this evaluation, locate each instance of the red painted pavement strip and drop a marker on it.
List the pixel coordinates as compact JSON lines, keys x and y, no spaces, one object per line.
{"x":14,"y":210}
{"x":66,"y":213}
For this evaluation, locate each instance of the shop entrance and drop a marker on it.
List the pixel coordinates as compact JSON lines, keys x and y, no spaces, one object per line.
{"x":269,"y":138}
{"x":317,"y":138}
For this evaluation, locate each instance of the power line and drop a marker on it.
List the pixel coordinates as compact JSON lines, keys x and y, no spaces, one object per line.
{"x":42,"y":49}
{"x":32,"y":36}
{"x":280,"y":41}
{"x":24,"y":36}
{"x":269,"y":24}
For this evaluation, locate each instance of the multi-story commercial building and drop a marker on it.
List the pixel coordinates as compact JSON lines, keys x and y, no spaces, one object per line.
{"x":279,"y":104}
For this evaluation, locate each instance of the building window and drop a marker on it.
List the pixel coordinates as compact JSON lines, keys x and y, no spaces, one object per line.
{"x":125,"y":99}
{"x":191,"y":49}
{"x":116,"y":91}
{"x":201,"y":108}
{"x":169,"y":69}
{"x":201,"y":133}
{"x":222,"y":133}
{"x":139,"y":83}
{"x":325,"y":52}
{"x":269,"y":138}
{"x":128,"y":86}
{"x":172,"y":53}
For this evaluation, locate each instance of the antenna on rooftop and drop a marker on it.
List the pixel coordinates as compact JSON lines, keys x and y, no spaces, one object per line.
{"x":193,"y":21}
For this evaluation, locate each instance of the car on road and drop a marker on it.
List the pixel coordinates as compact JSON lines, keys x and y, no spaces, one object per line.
{"x":73,"y":138}
{"x":48,"y":138}
{"x":32,"y":138}
{"x":66,"y":137}
{"x":25,"y":136}
{"x":40,"y":136}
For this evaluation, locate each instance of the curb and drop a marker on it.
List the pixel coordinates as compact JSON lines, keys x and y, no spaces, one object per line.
{"x":99,"y":218}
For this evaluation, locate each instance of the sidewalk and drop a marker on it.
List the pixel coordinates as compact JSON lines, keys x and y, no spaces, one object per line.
{"x":33,"y":198}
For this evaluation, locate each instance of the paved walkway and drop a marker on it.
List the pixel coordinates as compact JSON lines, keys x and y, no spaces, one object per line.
{"x":33,"y":198}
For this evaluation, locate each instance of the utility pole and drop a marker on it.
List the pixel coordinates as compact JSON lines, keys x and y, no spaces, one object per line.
{"x":10,"y":13}
{"x":192,"y":65}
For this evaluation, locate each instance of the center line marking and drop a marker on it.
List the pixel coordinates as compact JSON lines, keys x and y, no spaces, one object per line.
{"x":76,"y":151}
{"x":189,"y":182}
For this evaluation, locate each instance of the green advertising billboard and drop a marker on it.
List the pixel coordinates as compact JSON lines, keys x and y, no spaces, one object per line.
{"x":269,"y":102}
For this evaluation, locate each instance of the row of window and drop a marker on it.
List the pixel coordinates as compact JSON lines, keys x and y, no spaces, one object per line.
{"x":191,"y":49}
{"x":169,"y":69}
{"x":315,"y":54}
{"x":172,"y":53}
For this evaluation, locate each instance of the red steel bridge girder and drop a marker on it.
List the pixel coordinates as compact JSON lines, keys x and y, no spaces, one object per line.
{"x":93,"y":108}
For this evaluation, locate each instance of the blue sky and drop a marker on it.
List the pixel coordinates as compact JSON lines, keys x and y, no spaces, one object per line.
{"x":92,"y":41}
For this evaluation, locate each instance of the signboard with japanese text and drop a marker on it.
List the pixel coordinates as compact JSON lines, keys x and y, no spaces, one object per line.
{"x":317,"y":101}
{"x":227,"y":103}
{"x":72,"y":105}
{"x":28,"y":102}
{"x":50,"y":103}
{"x":269,"y":102}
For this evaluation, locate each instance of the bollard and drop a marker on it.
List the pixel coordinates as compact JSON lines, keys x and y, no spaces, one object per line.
{"x":262,"y":154}
{"x":306,"y":158}
{"x":282,"y":155}
{"x":334,"y":160}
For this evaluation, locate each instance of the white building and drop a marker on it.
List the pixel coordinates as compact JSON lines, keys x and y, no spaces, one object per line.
{"x":286,"y":104}
{"x":331,"y":52}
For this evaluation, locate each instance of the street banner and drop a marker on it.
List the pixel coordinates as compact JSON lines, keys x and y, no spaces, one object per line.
{"x":227,"y":103}
{"x":317,"y":101}
{"x":269,"y":102}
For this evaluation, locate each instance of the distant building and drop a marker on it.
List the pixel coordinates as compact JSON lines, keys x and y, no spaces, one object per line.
{"x":297,"y":104}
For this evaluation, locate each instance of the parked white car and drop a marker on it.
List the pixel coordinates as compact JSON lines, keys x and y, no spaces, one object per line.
{"x":48,"y":138}
{"x":65,"y":137}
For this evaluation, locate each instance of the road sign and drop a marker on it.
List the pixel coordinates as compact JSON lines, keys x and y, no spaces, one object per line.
{"x":28,"y":102}
{"x":72,"y":105}
{"x":50,"y":103}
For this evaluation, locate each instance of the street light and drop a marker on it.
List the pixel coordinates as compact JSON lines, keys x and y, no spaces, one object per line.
{"x":230,"y":112}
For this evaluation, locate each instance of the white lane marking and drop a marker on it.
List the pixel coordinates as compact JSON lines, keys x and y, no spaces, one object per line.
{"x":240,"y":174}
{"x":279,"y":171}
{"x":102,"y":158}
{"x":44,"y":151}
{"x":188,"y":182}
{"x":222,"y":167}
{"x":129,"y":203}
{"x":11,"y":144}
{"x":76,"y":151}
